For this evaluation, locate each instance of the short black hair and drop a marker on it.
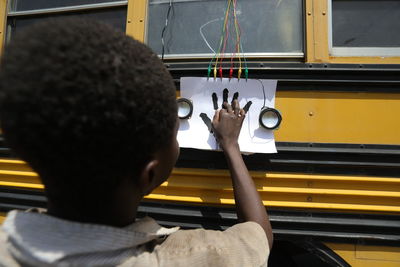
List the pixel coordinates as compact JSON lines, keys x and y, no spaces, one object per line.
{"x":85,"y":105}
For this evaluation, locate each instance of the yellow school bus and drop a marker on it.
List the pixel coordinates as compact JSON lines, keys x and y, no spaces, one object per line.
{"x":333,"y":188}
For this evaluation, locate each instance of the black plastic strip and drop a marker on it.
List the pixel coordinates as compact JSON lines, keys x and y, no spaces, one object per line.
{"x":287,"y":224}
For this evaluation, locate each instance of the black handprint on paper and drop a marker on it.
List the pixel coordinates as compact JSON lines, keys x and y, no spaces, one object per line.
{"x":207,"y":121}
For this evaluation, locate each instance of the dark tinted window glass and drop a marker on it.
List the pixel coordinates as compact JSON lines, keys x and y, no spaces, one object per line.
{"x":195,"y":26}
{"x":23,"y":5}
{"x":114,"y":16}
{"x":366,"y":23}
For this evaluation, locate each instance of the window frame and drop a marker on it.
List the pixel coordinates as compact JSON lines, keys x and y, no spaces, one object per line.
{"x":356,"y":51}
{"x":318,"y":45}
{"x":72,"y":8}
{"x":55,"y":10}
{"x":206,"y":56}
{"x":316,"y":32}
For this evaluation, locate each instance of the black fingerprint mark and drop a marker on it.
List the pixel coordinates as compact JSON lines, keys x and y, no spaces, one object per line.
{"x":225,"y":97}
{"x":247,"y":106}
{"x":215,"y":100}
{"x":207,"y":121}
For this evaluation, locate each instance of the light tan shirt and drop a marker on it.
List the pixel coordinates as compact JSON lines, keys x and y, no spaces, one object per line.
{"x":38,"y":239}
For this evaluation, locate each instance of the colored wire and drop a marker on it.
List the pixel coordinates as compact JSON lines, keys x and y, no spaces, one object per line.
{"x":233,"y":54}
{"x":238,"y":48}
{"x":225,"y":42}
{"x":238,"y":34}
{"x":164,"y":29}
{"x":244,"y":58}
{"x":222,"y":36}
{"x":220,"y":44}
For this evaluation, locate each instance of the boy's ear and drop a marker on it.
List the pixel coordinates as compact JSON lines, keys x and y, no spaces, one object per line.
{"x":148,"y":177}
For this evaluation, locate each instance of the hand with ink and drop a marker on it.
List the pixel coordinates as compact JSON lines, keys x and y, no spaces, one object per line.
{"x":228,"y":121}
{"x":226,"y":125}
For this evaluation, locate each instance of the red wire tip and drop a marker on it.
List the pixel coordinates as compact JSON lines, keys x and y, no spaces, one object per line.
{"x":230,"y":73}
{"x":220,"y":72}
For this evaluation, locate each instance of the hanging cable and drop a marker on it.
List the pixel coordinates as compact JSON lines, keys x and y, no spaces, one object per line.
{"x":233,"y":54}
{"x":225,"y":43}
{"x":239,"y":43}
{"x":237,"y":24}
{"x":246,"y":70}
{"x":164,"y":29}
{"x":216,"y":56}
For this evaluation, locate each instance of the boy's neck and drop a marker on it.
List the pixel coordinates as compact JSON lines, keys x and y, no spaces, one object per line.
{"x":111,"y":217}
{"x":118,"y":213}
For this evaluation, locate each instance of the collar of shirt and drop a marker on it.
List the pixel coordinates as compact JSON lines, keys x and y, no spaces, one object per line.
{"x":49,"y":239}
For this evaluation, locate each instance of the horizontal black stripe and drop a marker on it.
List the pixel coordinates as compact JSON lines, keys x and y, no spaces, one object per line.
{"x":287,"y":224}
{"x":303,"y":159}
{"x":293,"y":76}
{"x":310,"y":158}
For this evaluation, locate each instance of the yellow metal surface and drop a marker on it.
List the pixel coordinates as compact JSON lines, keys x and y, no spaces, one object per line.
{"x":3,"y":23}
{"x":2,"y":217}
{"x":325,"y":117}
{"x":309,"y":45}
{"x":365,"y":256}
{"x":283,"y":190}
{"x":136,"y":19}
{"x":320,"y":20}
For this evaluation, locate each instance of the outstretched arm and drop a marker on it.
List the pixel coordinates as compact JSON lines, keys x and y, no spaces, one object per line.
{"x":227,"y":124}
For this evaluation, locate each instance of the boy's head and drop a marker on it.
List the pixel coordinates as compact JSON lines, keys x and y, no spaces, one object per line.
{"x":87,"y":107}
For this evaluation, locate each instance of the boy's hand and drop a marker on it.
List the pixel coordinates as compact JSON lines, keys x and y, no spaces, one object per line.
{"x":227,"y":124}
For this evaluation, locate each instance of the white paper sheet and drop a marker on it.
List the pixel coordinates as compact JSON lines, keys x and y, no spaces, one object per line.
{"x":193,"y":133}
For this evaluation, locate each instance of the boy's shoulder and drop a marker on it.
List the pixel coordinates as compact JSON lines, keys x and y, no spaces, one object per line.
{"x":243,"y":244}
{"x":6,"y":258}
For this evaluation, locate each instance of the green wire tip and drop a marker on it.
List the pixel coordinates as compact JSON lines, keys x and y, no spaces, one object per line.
{"x":246,"y":73}
{"x":209,"y":71}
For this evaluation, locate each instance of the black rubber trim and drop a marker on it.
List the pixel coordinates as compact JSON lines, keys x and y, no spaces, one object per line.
{"x":338,"y":148}
{"x":305,"y":159}
{"x":310,"y":77}
{"x":310,"y":158}
{"x":292,"y":225}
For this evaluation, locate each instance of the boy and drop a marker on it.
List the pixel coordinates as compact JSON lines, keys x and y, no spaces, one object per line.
{"x":93,"y":112}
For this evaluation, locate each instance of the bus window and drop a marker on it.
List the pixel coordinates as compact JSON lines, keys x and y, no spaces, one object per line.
{"x":273,"y":28}
{"x":364,"y":28}
{"x":23,"y":13}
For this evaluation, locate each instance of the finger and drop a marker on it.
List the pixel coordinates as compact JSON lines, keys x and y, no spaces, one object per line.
{"x":236,"y":107}
{"x":235,"y":97}
{"x":247,"y":106}
{"x":224,"y":96}
{"x":242,"y":114}
{"x":216,"y":116}
{"x":215,"y":120}
{"x":215,"y":100}
{"x":228,"y":107}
